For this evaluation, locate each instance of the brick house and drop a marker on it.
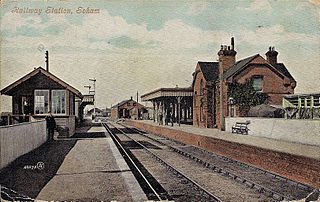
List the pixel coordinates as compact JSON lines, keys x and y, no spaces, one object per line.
{"x":128,"y":109}
{"x":268,"y":76}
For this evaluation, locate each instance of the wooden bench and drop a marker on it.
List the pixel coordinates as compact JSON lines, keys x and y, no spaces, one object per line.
{"x":241,"y":128}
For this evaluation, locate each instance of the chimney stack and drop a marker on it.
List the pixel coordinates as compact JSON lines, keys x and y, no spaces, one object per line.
{"x":272,"y":55}
{"x":227,"y":56}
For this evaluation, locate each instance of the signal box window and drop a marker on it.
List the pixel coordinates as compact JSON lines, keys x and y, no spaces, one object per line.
{"x":41,"y":101}
{"x":58,"y":101}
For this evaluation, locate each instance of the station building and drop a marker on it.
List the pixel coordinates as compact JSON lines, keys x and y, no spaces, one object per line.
{"x":130,"y":109}
{"x":212,"y":78}
{"x":201,"y":102}
{"x":40,"y":92}
{"x":171,"y":105}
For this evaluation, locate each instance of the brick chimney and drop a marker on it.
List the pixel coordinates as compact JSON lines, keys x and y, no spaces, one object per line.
{"x":227,"y":56}
{"x":272,"y":56}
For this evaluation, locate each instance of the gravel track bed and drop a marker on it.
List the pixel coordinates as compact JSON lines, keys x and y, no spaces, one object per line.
{"x":248,"y":172}
{"x":223,"y":187}
{"x":178,"y":188}
{"x":226,"y":189}
{"x":255,"y":175}
{"x":123,"y":137}
{"x":140,"y":138}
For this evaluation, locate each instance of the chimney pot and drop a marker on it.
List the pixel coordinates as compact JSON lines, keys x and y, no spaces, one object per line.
{"x":232,"y":43}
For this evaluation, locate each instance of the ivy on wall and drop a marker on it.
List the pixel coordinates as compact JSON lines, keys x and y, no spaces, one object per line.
{"x":245,"y":96}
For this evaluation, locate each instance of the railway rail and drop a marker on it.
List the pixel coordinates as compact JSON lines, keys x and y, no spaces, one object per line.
{"x":277,"y":187}
{"x":11,"y":195}
{"x":201,"y":191}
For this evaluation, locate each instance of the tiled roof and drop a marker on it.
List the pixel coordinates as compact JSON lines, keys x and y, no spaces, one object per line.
{"x":120,"y":103}
{"x":39,"y":70}
{"x":243,"y":63}
{"x":282,"y":68}
{"x":238,"y":66}
{"x":210,"y":70}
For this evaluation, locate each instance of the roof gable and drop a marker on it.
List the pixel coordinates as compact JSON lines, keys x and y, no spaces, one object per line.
{"x":279,"y":68}
{"x":39,"y":70}
{"x":120,"y":104}
{"x":210,"y":70}
{"x":282,"y":68}
{"x":238,"y":66}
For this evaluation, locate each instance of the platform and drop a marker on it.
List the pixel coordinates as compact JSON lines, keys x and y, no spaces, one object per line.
{"x":310,"y":151}
{"x":93,"y":170}
{"x":299,"y":162}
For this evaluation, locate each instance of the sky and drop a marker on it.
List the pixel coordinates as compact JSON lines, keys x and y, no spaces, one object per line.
{"x":130,"y":46}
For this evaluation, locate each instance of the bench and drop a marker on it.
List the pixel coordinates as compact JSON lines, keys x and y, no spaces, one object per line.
{"x":241,"y":128}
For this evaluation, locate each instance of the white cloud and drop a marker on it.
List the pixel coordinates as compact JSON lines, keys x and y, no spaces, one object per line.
{"x":257,"y":5}
{"x":306,"y":6}
{"x":174,"y":35}
{"x":275,"y":35}
{"x":197,"y":7}
{"x":315,"y":2}
{"x":149,"y":67}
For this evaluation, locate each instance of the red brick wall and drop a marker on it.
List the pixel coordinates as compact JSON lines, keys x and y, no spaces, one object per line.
{"x":199,"y":116}
{"x":298,"y":168}
{"x":273,"y":84}
{"x":225,"y":102}
{"x":225,"y":62}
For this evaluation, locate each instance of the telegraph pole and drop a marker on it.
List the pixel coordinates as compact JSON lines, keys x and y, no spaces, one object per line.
{"x":94,"y":95}
{"x":137,"y":97}
{"x":47,"y":61}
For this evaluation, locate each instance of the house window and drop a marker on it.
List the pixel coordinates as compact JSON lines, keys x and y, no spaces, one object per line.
{"x":201,"y":87}
{"x":257,"y":83}
{"x":58,"y":101}
{"x":41,"y":101}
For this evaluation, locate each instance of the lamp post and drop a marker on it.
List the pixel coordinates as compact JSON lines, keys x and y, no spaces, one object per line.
{"x":94,"y":95}
{"x":231,"y":103}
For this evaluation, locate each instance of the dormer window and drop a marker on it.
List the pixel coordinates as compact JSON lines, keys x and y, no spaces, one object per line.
{"x":257,"y":83}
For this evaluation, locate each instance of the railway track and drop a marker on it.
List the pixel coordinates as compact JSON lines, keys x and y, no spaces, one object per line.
{"x":277,"y":187}
{"x":178,"y":186}
{"x":11,"y":195}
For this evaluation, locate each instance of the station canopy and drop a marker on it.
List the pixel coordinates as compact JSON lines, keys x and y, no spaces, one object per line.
{"x":167,"y":92}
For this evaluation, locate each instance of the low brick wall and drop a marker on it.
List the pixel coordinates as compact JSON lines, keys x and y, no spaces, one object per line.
{"x":298,"y":168}
{"x":16,"y":140}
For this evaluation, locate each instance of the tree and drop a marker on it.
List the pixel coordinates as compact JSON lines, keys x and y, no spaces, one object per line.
{"x":245,"y":96}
